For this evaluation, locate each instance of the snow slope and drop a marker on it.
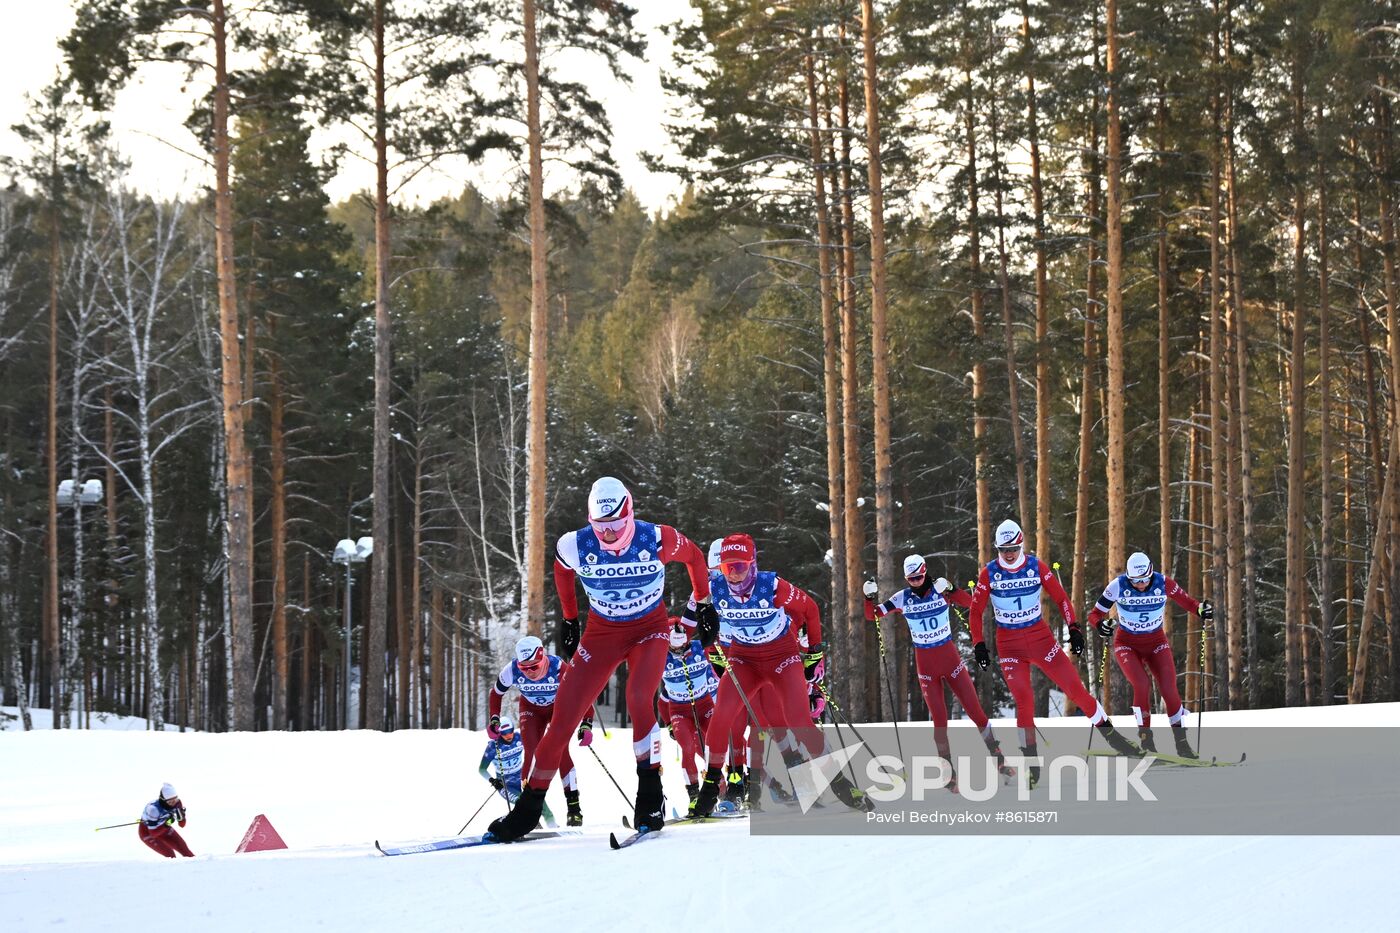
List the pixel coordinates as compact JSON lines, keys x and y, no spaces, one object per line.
{"x":331,"y":794}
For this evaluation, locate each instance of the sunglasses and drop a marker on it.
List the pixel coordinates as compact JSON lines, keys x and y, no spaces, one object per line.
{"x":734,"y":567}
{"x":616,"y":526}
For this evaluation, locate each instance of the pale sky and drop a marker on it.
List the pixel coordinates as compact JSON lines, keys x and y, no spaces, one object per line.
{"x":149,"y":116}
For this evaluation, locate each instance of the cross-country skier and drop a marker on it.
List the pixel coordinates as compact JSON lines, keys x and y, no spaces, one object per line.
{"x":1013,"y":582}
{"x":688,"y":687}
{"x":1141,"y":645}
{"x":537,"y":676}
{"x":759,"y":614}
{"x":506,"y":753}
{"x":158,"y":822}
{"x":741,"y":783}
{"x":924,"y":604}
{"x":621,"y":562}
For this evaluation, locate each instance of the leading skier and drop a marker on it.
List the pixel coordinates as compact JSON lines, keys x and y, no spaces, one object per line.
{"x":621,"y":562}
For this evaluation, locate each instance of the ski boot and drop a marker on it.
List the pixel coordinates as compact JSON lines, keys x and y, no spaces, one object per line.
{"x":754,"y":791}
{"x":1029,"y":751}
{"x":1146,"y":741}
{"x":575,"y":815}
{"x":850,"y":795}
{"x":692,"y":791}
{"x":1115,"y":741}
{"x":651,"y":802}
{"x":705,"y":801}
{"x":522,"y":818}
{"x":780,"y":793}
{"x":738,"y":786}
{"x":994,"y":749}
{"x":1183,"y":745}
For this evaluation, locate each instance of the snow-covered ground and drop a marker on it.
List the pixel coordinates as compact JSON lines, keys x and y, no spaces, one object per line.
{"x":330,"y":795}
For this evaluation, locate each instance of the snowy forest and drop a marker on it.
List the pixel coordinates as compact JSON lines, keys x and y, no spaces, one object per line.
{"x":1124,"y":271}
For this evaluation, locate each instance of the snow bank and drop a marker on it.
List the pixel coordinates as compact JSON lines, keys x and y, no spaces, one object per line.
{"x":331,"y":794}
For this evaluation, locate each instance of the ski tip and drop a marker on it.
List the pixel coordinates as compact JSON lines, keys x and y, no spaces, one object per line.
{"x":1243,"y":756}
{"x":378,"y":847}
{"x":612,"y":841}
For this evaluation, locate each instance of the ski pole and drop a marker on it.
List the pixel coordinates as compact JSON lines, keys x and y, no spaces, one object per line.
{"x":115,"y":826}
{"x":889,"y":688}
{"x":478,"y":811}
{"x":836,"y":723}
{"x":849,"y":725}
{"x":1201,"y":689}
{"x":610,"y":777}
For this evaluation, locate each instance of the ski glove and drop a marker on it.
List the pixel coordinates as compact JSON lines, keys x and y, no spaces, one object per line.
{"x":1206,"y":611}
{"x":941,"y":585}
{"x":706,"y":622}
{"x":1105,"y":627}
{"x":814,"y":669}
{"x":493,"y":729}
{"x":983,"y":656}
{"x":180,"y":816}
{"x":1076,"y":641}
{"x":568,"y":637}
{"x":497,"y":783}
{"x":585,"y":733}
{"x":870,"y":589}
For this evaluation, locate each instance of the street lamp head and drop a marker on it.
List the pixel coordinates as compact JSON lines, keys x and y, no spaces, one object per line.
{"x":89,"y":493}
{"x":364,"y":548}
{"x":344,"y":551}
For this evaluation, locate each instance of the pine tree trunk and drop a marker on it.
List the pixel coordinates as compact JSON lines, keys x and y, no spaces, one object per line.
{"x":1236,"y":437}
{"x":860,"y":637}
{"x":404,"y":718}
{"x":1294,"y":613}
{"x":536,"y":548}
{"x":438,"y":660}
{"x":277,"y":463}
{"x":372,"y":665}
{"x":1387,"y":224}
{"x":53,"y":606}
{"x":879,"y":338}
{"x":979,"y":415}
{"x":1116,"y":476}
{"x":1013,"y":387}
{"x":1218,"y":429}
{"x":417,"y":688}
{"x":1164,"y":427}
{"x":1087,"y":389}
{"x":831,"y":376}
{"x":238,"y":477}
{"x":1242,"y":535}
{"x":1042,"y":304}
{"x":1324,"y":385}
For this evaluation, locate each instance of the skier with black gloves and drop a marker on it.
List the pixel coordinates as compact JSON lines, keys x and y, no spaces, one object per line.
{"x":1012,"y":583}
{"x":1141,"y":645}
{"x":621,"y":562}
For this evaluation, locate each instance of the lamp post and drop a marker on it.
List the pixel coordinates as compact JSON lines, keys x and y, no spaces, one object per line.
{"x":349,"y":553}
{"x":72,"y":494}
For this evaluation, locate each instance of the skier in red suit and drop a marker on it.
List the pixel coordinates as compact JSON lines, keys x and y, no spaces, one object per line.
{"x":158,"y":822}
{"x":924,"y":604}
{"x":1013,"y":583}
{"x":621,"y":562}
{"x":1141,"y":645}
{"x":759,"y":614}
